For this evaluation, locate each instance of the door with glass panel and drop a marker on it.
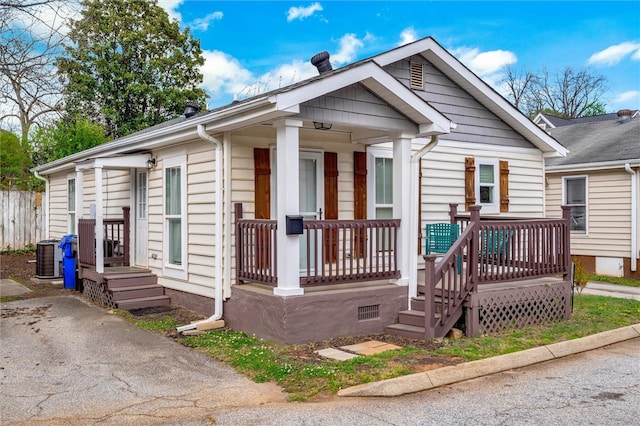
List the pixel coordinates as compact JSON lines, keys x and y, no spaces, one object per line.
{"x":311,"y":202}
{"x":141,"y":227}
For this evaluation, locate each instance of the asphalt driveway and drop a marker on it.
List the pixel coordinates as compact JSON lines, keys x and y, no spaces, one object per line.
{"x":65,"y":361}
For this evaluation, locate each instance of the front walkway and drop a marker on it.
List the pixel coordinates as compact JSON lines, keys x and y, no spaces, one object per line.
{"x":597,"y":288}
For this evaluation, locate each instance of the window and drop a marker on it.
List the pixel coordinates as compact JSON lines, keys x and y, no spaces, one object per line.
{"x":71,"y":205}
{"x":175,"y":208}
{"x":575,"y":195}
{"x":381,"y":193}
{"x":487,"y":185}
{"x":141,"y":196}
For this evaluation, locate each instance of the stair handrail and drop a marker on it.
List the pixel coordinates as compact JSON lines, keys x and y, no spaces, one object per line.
{"x":457,"y":274}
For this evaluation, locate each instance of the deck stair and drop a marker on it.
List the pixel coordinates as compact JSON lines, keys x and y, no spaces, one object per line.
{"x":411,"y":322}
{"x":135,"y":290}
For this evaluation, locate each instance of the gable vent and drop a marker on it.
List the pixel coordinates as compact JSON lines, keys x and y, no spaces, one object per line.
{"x":417,"y":76}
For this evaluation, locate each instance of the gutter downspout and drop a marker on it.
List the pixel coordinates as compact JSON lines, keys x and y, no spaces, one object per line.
{"x":219,"y":214}
{"x":45,"y":201}
{"x":413,"y":214}
{"x":634,"y":216}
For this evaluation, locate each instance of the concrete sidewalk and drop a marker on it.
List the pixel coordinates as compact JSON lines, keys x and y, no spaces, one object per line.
{"x":603,"y":289}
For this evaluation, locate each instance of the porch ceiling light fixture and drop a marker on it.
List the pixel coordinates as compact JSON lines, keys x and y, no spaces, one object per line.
{"x":151,"y":163}
{"x":322,"y":126}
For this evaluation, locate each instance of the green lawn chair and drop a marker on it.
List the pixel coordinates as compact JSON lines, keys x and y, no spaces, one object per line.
{"x":440,"y":237}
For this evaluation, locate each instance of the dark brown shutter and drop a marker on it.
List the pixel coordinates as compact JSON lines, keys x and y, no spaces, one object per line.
{"x":469,"y":182}
{"x":330,"y":205}
{"x":262,"y":183}
{"x":262,"y":188}
{"x":359,"y":200}
{"x":504,"y":186}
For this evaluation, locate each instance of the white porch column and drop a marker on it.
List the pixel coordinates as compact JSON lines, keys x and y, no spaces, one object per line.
{"x":99,"y":221}
{"x":287,"y":203}
{"x":402,"y":202}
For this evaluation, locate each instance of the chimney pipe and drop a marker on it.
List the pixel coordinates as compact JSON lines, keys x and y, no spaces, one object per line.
{"x":321,"y":62}
{"x":191,"y":109}
{"x":624,"y":115}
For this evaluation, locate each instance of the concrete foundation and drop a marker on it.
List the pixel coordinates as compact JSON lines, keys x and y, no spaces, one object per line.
{"x":200,"y":304}
{"x":317,"y":315}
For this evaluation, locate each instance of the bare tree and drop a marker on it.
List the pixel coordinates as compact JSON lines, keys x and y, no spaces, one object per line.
{"x":30,"y":91}
{"x":568,"y":93}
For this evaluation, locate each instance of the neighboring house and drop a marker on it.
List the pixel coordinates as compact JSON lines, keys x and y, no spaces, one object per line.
{"x":302,"y":208}
{"x":599,"y":178}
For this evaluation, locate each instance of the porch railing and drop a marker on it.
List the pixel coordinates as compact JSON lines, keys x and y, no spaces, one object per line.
{"x":115,"y":243}
{"x":490,"y":251}
{"x":331,"y":252}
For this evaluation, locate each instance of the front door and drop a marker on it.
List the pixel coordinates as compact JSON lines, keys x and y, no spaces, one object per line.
{"x":311,"y":202}
{"x":141,"y":227}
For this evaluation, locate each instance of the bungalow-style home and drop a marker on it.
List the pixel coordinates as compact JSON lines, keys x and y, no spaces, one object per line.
{"x":599,"y":179}
{"x":300,"y":214}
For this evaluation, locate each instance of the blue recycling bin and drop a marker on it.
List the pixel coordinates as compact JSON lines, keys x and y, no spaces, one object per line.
{"x":68,"y":262}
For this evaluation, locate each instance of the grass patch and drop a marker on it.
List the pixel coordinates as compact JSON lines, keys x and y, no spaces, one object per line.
{"x":615,"y":280}
{"x":4,"y":299}
{"x":304,"y":376}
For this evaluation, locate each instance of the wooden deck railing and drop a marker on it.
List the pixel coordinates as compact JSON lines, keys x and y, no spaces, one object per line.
{"x":331,"y":252}
{"x":115,"y":243}
{"x":490,"y":251}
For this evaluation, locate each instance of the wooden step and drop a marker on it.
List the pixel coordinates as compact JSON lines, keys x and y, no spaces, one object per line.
{"x":145,"y":302}
{"x":136,"y":292}
{"x":404,"y":330}
{"x":411,"y":317}
{"x":417,"y":303}
{"x":130,"y":280}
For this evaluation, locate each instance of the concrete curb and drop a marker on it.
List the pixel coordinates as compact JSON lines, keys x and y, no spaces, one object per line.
{"x":471,"y":370}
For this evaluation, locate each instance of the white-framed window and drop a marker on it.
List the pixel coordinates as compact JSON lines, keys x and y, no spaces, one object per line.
{"x":574,"y":194}
{"x":175,"y":217}
{"x":71,"y":204}
{"x":141,"y":196}
{"x":380,"y":188}
{"x":487,"y":182}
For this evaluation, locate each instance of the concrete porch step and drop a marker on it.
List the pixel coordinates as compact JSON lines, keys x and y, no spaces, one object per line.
{"x":145,"y":302}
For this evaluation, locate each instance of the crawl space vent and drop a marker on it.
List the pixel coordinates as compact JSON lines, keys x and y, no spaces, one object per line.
{"x":368,"y":312}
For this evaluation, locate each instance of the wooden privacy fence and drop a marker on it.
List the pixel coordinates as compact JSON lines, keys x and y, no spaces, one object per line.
{"x":22,"y":219}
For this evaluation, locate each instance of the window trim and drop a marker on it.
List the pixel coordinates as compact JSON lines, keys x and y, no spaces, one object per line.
{"x":72,"y":214}
{"x":586,"y":201}
{"x":372,"y":155}
{"x":169,"y":269}
{"x":493,"y":207}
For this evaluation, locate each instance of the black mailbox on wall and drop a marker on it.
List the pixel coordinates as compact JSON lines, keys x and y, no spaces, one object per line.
{"x":294,"y":225}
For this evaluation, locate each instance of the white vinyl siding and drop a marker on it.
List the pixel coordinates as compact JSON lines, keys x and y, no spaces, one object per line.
{"x":609,"y":213}
{"x":443,"y":177}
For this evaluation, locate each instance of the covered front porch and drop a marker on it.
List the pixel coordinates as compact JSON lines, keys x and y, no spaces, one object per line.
{"x":499,"y":273}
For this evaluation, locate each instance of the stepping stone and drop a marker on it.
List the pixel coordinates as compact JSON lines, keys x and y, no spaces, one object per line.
{"x":370,"y":347}
{"x":335,"y":354}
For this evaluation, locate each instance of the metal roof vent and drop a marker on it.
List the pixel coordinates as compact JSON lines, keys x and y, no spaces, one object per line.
{"x":624,"y":115}
{"x":321,"y":62}
{"x":191,"y":109}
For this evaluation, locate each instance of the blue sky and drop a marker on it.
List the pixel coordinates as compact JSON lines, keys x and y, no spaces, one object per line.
{"x":250,"y":47}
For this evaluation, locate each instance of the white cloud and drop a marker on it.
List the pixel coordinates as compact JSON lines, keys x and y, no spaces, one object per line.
{"x":349,"y":45}
{"x":171,"y":7}
{"x":303,"y":12}
{"x":202,"y":24}
{"x":628,"y":97}
{"x":408,"y":35}
{"x":485,"y":63}
{"x":614,"y":54}
{"x":223,"y":74}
